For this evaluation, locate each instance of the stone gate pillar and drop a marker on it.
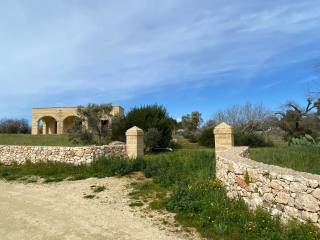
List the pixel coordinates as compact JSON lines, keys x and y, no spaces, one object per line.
{"x":134,"y":142}
{"x":223,"y":135}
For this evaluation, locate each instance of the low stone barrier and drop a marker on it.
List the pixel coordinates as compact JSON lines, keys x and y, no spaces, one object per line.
{"x":281,"y":191}
{"x":74,"y":155}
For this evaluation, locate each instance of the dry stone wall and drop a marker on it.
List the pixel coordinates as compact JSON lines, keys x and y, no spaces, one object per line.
{"x":282,"y":191}
{"x":74,"y":155}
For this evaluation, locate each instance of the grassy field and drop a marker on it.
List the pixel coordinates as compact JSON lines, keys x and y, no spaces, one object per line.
{"x":34,"y":140}
{"x":57,"y":171}
{"x":301,"y":158}
{"x":186,"y":144}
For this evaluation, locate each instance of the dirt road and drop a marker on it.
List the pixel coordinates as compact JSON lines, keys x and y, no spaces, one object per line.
{"x":60,"y":211}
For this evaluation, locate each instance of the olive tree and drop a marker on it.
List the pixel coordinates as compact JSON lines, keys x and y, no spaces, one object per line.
{"x":92,"y":126}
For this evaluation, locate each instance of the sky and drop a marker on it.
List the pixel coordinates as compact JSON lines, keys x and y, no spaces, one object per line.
{"x":187,"y":55}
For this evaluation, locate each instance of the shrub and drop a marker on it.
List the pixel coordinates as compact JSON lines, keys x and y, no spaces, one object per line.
{"x":206,"y":137}
{"x":80,"y":135}
{"x":118,"y":127}
{"x":152,"y":116}
{"x":152,"y":138}
{"x":251,"y":139}
{"x":192,"y":136}
{"x":14,"y":126}
{"x":305,"y":140}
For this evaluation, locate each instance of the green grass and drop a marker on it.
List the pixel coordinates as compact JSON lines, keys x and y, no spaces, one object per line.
{"x":136,"y":204}
{"x":57,"y":171}
{"x":35,"y":140}
{"x":300,"y":158}
{"x":184,"y":143}
{"x":97,"y":189}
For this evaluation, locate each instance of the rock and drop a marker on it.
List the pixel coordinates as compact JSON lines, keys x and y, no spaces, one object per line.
{"x":276,"y":185}
{"x":252,"y":175}
{"x":268,"y":197}
{"x":288,"y":178}
{"x":313,"y":217}
{"x":275,"y":212}
{"x":297,"y":187}
{"x":80,"y":153}
{"x":316,"y":193}
{"x":313,"y":183}
{"x":256,"y":200}
{"x":282,"y":198}
{"x":292,"y":212}
{"x":307,"y":202}
{"x":241,"y":183}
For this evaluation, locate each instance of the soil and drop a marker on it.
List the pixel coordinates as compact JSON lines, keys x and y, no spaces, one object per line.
{"x":72,"y":210}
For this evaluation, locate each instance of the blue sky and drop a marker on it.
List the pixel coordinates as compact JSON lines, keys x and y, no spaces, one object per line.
{"x":188,"y":55}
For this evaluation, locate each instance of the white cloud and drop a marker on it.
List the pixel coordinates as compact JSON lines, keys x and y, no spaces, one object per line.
{"x":70,"y":52}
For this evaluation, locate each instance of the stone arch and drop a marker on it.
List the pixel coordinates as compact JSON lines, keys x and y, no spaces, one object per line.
{"x":68,"y":122}
{"x":48,"y":125}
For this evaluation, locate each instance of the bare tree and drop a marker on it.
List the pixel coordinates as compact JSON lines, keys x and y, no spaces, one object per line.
{"x":247,"y":117}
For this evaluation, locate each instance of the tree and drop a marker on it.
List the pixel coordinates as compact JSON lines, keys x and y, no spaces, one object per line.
{"x":245,"y":118}
{"x":297,"y":121}
{"x":191,"y":122}
{"x":14,"y":126}
{"x":92,"y":127}
{"x":152,"y":116}
{"x":248,"y":121}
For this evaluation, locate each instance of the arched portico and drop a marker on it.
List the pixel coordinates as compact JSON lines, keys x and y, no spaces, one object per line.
{"x":69,"y":122}
{"x":47,"y":125}
{"x":57,"y":120}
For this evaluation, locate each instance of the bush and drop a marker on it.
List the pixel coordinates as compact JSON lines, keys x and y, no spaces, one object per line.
{"x":305,"y":140}
{"x":251,"y":139}
{"x":152,"y":138}
{"x":192,"y":136}
{"x":14,"y":126}
{"x":206,"y":137}
{"x":152,"y":116}
{"x":118,"y":127}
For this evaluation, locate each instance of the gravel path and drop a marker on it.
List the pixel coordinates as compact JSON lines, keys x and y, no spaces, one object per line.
{"x":60,"y":211}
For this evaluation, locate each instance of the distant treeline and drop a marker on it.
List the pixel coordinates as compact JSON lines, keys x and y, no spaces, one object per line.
{"x":14,"y":126}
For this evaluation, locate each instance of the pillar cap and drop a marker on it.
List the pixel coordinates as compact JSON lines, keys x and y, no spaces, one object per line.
{"x":223,"y":128}
{"x":134,"y":131}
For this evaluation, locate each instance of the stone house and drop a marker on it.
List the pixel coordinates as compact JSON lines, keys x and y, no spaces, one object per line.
{"x":57,"y":120}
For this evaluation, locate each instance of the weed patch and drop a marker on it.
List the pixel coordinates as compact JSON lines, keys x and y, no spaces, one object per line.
{"x":89,"y":196}
{"x":136,"y":204}
{"x":98,"y":189}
